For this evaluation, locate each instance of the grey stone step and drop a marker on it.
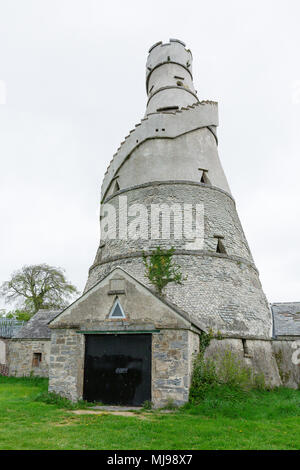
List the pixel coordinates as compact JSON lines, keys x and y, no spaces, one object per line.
{"x":116,"y":408}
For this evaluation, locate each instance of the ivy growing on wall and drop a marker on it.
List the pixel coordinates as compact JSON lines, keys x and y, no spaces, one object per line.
{"x":161,"y":269}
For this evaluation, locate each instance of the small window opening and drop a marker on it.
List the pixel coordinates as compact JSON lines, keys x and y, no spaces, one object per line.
{"x":168,"y":108}
{"x":117,"y":310}
{"x":163,"y":130}
{"x":204,"y":178}
{"x":179,"y":78}
{"x":116,"y":187}
{"x":220,"y":247}
{"x":179,"y":83}
{"x":245,"y":347}
{"x":36,"y":359}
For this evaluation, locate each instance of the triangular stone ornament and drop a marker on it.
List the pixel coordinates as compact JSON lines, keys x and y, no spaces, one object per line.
{"x":117,"y":310}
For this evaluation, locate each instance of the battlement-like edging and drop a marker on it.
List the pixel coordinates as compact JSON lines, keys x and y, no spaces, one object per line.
{"x":160,"y":43}
{"x":161,"y":125}
{"x":172,"y":51}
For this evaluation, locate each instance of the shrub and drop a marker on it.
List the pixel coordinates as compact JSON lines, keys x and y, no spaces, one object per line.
{"x":224,"y":369}
{"x":204,"y":377}
{"x":232,"y":372}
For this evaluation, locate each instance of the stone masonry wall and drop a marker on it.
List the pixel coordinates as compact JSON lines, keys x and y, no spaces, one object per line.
{"x":67,"y":364}
{"x":287,"y":354}
{"x":220,"y":218}
{"x":171,"y":365}
{"x":20,"y":357}
{"x":3,"y":350}
{"x":240,"y":308}
{"x":255,"y":354}
{"x":3,"y":356}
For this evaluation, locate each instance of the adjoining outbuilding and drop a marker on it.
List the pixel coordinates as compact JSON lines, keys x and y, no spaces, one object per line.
{"x":26,"y":350}
{"x":122,"y":344}
{"x":8,"y":328}
{"x":286,"y":343}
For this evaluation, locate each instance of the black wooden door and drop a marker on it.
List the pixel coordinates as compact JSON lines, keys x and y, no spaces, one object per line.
{"x":118,"y":369}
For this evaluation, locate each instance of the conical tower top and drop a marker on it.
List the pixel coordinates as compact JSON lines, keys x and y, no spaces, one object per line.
{"x":169,"y":79}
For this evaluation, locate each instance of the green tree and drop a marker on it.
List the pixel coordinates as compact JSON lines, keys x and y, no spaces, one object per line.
{"x":161,"y":270}
{"x":38,"y":287}
{"x":20,"y":315}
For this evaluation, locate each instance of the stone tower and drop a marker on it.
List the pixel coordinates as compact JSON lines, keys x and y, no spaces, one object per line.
{"x":172,"y":157}
{"x":165,"y":186}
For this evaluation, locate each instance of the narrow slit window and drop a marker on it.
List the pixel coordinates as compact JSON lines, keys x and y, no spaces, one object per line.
{"x":204,"y":178}
{"x":116,"y":187}
{"x":220,"y":247}
{"x":168,"y":108}
{"x":245,"y":348}
{"x":36,"y":359}
{"x":117,"y":310}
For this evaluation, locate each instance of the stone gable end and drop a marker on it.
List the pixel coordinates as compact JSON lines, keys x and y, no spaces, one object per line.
{"x":141,"y":307}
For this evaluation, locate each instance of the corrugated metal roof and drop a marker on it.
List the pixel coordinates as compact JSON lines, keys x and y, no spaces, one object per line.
{"x":286,"y":317}
{"x":9,"y":327}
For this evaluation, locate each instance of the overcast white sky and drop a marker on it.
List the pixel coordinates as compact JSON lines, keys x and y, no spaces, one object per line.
{"x":74,"y":77}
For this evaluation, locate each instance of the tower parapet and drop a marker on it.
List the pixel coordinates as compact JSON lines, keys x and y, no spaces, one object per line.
{"x":169,"y":79}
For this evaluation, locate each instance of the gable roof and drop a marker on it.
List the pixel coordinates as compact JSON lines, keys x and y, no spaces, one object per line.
{"x":186,"y":316}
{"x":286,"y":318}
{"x":37,"y":326}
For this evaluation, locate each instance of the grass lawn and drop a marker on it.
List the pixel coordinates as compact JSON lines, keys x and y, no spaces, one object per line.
{"x":225,"y":419}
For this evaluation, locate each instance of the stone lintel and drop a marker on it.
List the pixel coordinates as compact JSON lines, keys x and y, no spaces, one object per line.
{"x":116,"y":292}
{"x":65,"y":326}
{"x":116,"y":332}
